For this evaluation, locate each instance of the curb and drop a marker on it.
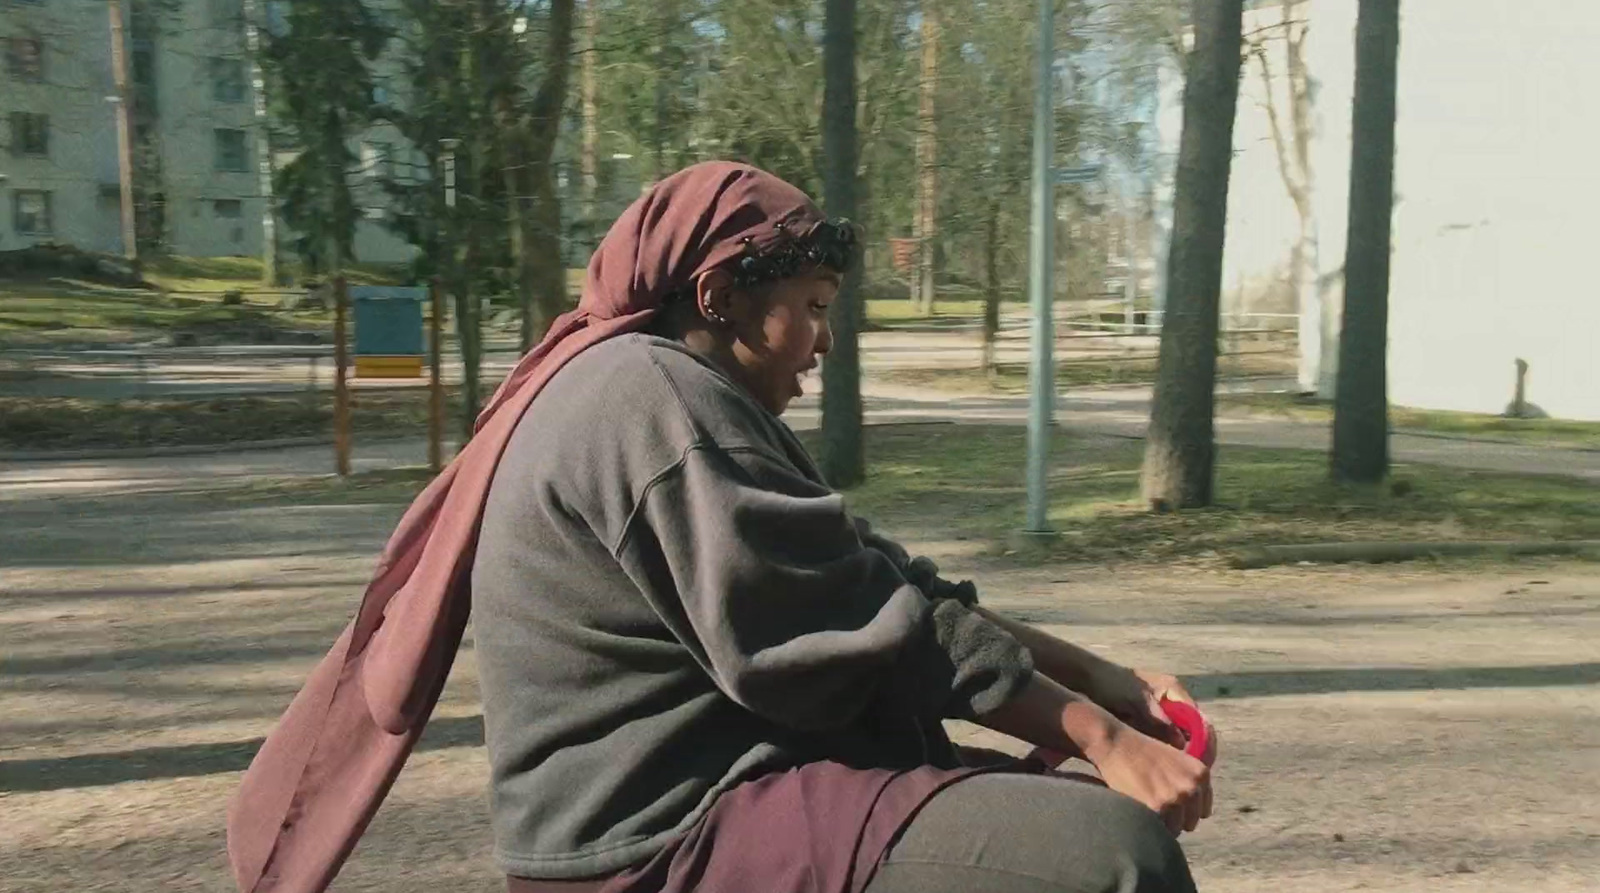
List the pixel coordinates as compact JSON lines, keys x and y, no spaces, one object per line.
{"x":245,"y":446}
{"x":1383,"y":552}
{"x":1496,"y":441}
{"x":156,"y":452}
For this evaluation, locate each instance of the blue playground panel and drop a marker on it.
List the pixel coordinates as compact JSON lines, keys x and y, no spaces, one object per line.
{"x":388,"y":320}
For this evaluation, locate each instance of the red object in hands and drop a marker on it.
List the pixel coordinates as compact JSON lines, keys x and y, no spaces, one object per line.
{"x":1187,"y":718}
{"x":1194,"y":728}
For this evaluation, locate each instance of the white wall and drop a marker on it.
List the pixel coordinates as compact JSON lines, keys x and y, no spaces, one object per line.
{"x":1495,"y":224}
{"x":1496,"y":190}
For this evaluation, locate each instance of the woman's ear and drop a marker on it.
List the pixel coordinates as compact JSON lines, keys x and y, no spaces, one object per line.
{"x":714,"y":297}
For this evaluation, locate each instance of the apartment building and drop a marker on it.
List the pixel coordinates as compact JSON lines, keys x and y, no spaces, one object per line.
{"x":195,"y":131}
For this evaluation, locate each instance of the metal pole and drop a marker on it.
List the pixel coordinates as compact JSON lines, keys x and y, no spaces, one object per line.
{"x":124,"y":103}
{"x":1130,"y":285}
{"x":1041,"y":261}
{"x":258,"y":98}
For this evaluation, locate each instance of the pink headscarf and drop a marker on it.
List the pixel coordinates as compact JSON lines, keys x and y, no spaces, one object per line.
{"x":320,"y":776}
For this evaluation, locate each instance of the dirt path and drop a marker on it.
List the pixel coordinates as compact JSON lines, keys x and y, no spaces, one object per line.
{"x":1392,"y":729}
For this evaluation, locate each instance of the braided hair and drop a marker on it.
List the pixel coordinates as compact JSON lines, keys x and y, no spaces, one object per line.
{"x":834,"y":243}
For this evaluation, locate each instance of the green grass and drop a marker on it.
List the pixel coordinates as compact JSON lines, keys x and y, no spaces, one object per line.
{"x":217,"y":274}
{"x":946,"y":482}
{"x":62,"y":313}
{"x":1547,"y":432}
{"x":1012,"y":378}
{"x":43,"y":423}
{"x":892,"y":310}
{"x":967,"y":482}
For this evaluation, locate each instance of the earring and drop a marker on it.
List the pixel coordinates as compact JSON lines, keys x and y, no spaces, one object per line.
{"x":716,"y":317}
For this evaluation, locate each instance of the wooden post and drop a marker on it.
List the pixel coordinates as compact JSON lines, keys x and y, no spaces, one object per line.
{"x":341,"y":387}
{"x":435,"y":376}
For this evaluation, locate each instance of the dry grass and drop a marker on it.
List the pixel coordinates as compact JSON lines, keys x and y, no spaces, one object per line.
{"x":1546,"y":432}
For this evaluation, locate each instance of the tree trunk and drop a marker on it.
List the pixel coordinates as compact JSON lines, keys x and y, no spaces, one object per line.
{"x":843,"y":461}
{"x":469,"y":336}
{"x":991,"y":286}
{"x":521,"y":246}
{"x":546,"y":270}
{"x":464,"y":229}
{"x":925,"y":225}
{"x":469,"y":329}
{"x":661,"y":123}
{"x":588,"y":162}
{"x":547,"y":273}
{"x":1180,"y":450}
{"x":1361,"y":401}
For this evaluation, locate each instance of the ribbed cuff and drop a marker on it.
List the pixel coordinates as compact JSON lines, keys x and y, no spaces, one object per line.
{"x":961,"y":666}
{"x":924,"y":574}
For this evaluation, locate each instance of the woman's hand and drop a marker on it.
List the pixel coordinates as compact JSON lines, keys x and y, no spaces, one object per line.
{"x":1134,"y":696}
{"x":1168,"y":781}
{"x":1158,"y":775}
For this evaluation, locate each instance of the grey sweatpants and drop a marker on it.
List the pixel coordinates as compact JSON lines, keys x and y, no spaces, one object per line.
{"x":1011,"y":833}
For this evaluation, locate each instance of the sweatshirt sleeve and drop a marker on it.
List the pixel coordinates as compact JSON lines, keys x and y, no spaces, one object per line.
{"x":763,"y":575}
{"x":920,"y":570}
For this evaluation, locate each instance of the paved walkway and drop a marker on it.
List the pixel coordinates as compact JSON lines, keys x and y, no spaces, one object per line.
{"x":1117,"y":412}
{"x":193,"y":372}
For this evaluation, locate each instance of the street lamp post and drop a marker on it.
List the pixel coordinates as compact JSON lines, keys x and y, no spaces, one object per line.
{"x":1041,"y":410}
{"x":123,"y":102}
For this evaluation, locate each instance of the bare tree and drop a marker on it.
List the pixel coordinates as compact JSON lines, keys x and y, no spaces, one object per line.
{"x":1180,"y":449}
{"x":534,"y":205}
{"x":1293,"y":146}
{"x":588,"y":161}
{"x":1361,"y":401}
{"x":843,"y":457}
{"x":925,"y":226}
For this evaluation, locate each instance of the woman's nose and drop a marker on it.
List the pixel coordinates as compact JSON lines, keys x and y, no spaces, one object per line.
{"x":824,"y":338}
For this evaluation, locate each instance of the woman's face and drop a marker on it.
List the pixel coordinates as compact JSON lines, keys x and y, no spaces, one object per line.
{"x":776,"y":333}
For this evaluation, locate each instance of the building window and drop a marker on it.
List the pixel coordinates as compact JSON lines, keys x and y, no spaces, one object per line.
{"x":227,"y":80}
{"x":230,"y":152}
{"x":25,"y":58}
{"x":31,"y":212}
{"x":227,"y":208}
{"x":377,"y":159}
{"x":30,"y":134}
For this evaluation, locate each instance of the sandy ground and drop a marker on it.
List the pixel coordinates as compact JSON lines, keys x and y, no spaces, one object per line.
{"x":1406,"y":729}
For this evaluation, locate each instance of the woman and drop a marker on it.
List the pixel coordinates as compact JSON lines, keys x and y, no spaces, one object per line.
{"x":699,"y":671}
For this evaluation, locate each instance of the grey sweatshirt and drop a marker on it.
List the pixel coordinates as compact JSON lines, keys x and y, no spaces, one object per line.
{"x":667,"y":600}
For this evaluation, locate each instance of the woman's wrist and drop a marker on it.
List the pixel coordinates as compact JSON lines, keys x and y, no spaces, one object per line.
{"x":1047,"y":714}
{"x":1092,"y":729}
{"x":1067,"y":664}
